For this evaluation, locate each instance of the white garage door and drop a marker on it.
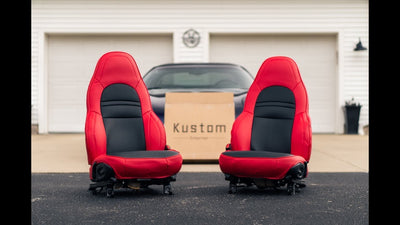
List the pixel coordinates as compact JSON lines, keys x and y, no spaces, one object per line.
{"x":71,"y":63}
{"x":314,"y":54}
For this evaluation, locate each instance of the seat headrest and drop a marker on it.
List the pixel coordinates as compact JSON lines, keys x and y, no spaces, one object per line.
{"x":274,"y":71}
{"x":112,"y":68}
{"x":117,"y":67}
{"x":278,"y":70}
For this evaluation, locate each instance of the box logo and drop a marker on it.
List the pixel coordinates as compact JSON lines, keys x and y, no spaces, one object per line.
{"x":198,"y":124}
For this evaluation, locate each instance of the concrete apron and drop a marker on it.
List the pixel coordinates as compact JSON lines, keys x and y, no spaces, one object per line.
{"x":65,"y":153}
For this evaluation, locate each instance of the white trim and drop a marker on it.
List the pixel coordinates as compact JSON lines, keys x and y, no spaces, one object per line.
{"x":206,"y":50}
{"x":340,"y":85}
{"x":42,"y":83}
{"x":176,"y":38}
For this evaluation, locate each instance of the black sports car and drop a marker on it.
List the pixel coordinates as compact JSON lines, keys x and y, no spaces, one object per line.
{"x":197,"y":77}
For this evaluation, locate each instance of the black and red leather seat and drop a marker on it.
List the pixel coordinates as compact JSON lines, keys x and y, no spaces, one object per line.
{"x":125,"y":140}
{"x":271,"y":139}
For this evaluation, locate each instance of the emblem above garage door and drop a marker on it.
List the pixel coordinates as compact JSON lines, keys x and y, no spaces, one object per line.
{"x":71,"y":60}
{"x":315,"y":55}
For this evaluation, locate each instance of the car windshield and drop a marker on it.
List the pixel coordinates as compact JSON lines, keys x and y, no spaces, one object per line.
{"x":197,"y":76}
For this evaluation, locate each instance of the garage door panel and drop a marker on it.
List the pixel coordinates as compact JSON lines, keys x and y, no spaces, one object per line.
{"x":314,"y":54}
{"x":71,"y":63}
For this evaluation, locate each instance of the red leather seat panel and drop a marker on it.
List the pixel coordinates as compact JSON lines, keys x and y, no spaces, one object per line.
{"x":279,"y":71}
{"x":120,"y":68}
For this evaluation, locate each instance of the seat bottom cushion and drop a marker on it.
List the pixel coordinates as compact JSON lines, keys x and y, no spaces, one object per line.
{"x":143,"y":164}
{"x":255,"y":154}
{"x":258,"y":164}
{"x":145,"y":154}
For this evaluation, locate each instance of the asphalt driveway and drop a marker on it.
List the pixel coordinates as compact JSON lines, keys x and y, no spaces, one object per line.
{"x":201,"y":198}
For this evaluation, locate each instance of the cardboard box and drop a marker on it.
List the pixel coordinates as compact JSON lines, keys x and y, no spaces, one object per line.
{"x":199,"y":125}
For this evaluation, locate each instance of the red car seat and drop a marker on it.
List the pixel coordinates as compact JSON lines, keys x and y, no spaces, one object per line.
{"x":125,"y":140}
{"x":271,"y":139}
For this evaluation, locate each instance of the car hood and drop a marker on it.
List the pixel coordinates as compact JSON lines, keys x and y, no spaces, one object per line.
{"x":161,"y":92}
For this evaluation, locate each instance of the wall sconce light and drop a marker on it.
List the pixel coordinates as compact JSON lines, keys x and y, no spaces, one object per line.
{"x":359,"y":46}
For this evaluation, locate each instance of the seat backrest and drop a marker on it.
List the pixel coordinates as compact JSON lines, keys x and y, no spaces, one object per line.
{"x":119,"y":114}
{"x":275,"y":116}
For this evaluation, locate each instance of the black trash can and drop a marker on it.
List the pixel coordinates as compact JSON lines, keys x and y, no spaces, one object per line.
{"x":352,"y":116}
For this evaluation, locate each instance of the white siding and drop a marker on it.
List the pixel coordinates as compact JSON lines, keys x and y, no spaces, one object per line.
{"x":346,"y":18}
